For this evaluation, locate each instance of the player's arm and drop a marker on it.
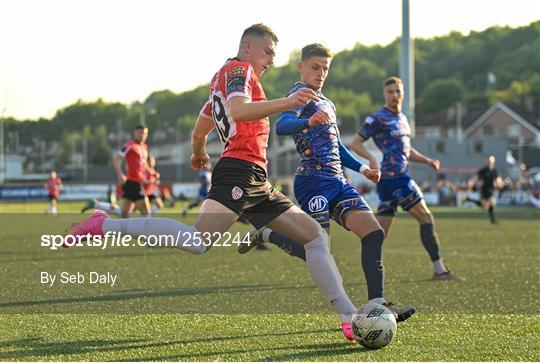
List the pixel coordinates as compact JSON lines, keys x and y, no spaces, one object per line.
{"x":117,"y":163}
{"x":289,"y":122}
{"x":357,"y":145}
{"x":350,"y":161}
{"x":243,"y":109}
{"x":418,"y":157}
{"x":203,"y":127}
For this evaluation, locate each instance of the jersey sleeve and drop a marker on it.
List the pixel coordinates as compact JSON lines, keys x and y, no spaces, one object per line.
{"x":124,"y":150}
{"x":206,"y":110}
{"x":297,"y":111}
{"x":239,"y":81}
{"x":372,"y":126}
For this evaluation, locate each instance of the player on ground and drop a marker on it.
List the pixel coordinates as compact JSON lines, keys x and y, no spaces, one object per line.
{"x":53,"y":186}
{"x":205,"y":178}
{"x":391,"y":133}
{"x":135,"y":153}
{"x":238,"y":108}
{"x":109,"y":205}
{"x":151,"y":185}
{"x":320,"y":185}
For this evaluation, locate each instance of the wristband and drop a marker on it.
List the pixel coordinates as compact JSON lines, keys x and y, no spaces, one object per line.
{"x":363,"y":168}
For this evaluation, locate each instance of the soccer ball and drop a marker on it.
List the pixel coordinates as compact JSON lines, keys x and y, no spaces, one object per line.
{"x":374,"y":326}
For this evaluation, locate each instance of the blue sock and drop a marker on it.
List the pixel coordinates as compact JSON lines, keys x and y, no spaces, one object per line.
{"x":288,"y":245}
{"x":372,"y":263}
{"x":430,"y":240}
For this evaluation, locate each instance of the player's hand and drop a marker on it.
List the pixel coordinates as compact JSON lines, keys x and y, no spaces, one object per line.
{"x":122,"y":179}
{"x":435,"y":164}
{"x":373,"y":175}
{"x":301,"y":97}
{"x":199,"y":162}
{"x":319,"y":118}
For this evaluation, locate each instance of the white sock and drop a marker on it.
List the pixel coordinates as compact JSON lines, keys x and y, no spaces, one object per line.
{"x":155,"y":209}
{"x":104,"y":206}
{"x":266,"y":234}
{"x":54,"y":211}
{"x":322,"y":268}
{"x":116,"y":210}
{"x":378,"y":300}
{"x":440,"y":268}
{"x":157,"y":227}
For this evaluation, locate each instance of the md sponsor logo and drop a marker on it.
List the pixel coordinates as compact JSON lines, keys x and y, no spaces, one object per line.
{"x":317,"y":203}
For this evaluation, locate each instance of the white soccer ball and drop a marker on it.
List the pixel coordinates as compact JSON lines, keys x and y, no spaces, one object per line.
{"x":374,"y":326}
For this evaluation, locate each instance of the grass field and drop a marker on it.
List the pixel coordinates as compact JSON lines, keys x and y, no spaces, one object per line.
{"x":170,"y":305}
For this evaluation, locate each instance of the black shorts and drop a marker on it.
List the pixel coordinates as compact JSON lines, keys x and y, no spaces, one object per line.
{"x":52,"y":197}
{"x":151,"y":197}
{"x":133,"y":191}
{"x":244,"y":188}
{"x":486,"y":193}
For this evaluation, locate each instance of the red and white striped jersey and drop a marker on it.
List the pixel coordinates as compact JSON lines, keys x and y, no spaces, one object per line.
{"x":246,"y":140}
{"x":136,"y":156}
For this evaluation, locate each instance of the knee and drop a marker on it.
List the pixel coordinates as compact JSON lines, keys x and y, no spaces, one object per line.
{"x":376,"y":236}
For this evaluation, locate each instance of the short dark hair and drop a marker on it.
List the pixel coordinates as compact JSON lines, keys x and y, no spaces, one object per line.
{"x":392,"y":80}
{"x":141,"y":127}
{"x":260,"y":30}
{"x":315,"y":50}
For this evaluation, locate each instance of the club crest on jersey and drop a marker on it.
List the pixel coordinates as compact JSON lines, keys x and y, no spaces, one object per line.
{"x":317,"y":203}
{"x":236,"y":193}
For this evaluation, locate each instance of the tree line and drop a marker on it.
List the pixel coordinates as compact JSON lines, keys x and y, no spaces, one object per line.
{"x":499,"y":63}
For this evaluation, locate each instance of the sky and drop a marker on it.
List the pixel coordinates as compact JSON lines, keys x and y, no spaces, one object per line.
{"x":54,"y":52}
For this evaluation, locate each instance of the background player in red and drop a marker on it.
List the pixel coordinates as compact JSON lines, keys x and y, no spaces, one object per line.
{"x":238,"y":108}
{"x":135,"y":154}
{"x":53,"y":186}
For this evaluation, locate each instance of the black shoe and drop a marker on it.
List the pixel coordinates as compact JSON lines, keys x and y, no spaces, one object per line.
{"x":255,"y":240}
{"x":401,"y":313}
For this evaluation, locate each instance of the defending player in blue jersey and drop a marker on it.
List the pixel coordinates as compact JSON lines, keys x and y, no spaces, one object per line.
{"x":391,"y":133}
{"x":320,"y":186}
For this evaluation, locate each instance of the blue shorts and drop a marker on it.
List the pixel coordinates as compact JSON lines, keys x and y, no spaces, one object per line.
{"x":322,"y":197}
{"x":203,"y":193}
{"x":401,"y":190}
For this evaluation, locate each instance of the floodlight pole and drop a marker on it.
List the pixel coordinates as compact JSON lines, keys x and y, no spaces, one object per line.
{"x":2,"y":149}
{"x":406,"y":66}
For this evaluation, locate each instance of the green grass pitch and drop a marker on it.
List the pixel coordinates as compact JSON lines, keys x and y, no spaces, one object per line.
{"x":221,"y":306}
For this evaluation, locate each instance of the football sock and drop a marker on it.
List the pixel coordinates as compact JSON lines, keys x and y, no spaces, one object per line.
{"x":287,"y":244}
{"x":158,"y":227}
{"x":372,"y":244}
{"x":430,"y":240}
{"x":322,"y":268}
{"x":439,"y":266}
{"x":104,"y":206}
{"x":491,"y":214}
{"x":53,"y":211}
{"x":378,"y":300}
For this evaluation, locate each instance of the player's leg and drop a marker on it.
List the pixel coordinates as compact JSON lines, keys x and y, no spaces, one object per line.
{"x":488,"y":203}
{"x":54,"y":207}
{"x":299,"y":226}
{"x":386,"y":221}
{"x":215,"y":219}
{"x":312,"y":194}
{"x":126,"y":207}
{"x":364,"y":224}
{"x":430,"y":240}
{"x":143,"y":206}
